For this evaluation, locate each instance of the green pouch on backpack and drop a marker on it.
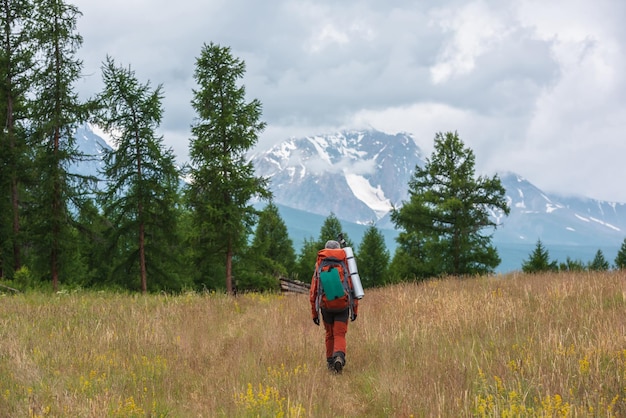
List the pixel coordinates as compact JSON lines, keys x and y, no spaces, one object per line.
{"x":331,"y":283}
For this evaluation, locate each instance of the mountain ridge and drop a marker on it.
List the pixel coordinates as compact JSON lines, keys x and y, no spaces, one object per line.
{"x":359,"y":175}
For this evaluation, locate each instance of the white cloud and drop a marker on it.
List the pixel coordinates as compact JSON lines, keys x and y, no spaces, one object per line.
{"x":531,"y":86}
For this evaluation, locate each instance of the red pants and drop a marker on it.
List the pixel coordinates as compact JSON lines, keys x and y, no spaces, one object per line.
{"x":336,"y":326}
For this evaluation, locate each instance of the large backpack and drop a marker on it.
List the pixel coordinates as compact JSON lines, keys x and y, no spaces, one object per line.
{"x":334,"y":289}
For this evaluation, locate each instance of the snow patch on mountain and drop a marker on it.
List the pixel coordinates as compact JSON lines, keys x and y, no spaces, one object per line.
{"x":374,"y":198}
{"x":105,"y":136}
{"x":608,"y":225}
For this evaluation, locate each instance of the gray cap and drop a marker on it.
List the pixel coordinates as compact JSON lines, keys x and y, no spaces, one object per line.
{"x":332,"y":244}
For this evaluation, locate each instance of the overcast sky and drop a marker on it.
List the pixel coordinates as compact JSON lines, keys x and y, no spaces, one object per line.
{"x":531,"y":86}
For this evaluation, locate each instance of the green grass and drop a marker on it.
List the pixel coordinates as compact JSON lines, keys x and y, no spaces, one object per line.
{"x":549,"y":345}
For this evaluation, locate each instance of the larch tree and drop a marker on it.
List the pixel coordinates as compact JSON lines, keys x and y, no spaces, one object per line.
{"x":142,"y":189}
{"x":449,"y":211}
{"x":55,"y":113}
{"x":16,"y":64}
{"x":222,"y":180}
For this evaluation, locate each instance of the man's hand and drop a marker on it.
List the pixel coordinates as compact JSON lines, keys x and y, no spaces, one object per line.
{"x":316,"y":320}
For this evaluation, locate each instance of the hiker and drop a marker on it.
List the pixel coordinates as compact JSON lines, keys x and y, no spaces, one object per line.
{"x":335,"y":300}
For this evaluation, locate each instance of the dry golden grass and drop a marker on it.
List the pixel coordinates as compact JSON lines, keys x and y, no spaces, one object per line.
{"x":543,"y":345}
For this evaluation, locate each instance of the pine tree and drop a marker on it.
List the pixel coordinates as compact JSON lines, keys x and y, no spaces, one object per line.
{"x":373,"y":258}
{"x":222,"y":181}
{"x":16,"y":64}
{"x":448,"y":210}
{"x":539,"y":260}
{"x":56,"y":111}
{"x":142,"y":189}
{"x":620,"y":259}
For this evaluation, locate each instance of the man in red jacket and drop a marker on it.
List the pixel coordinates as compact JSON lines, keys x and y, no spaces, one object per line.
{"x":332,"y":294}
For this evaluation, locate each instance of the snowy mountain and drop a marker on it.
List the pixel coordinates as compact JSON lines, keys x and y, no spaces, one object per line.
{"x":558,"y":219}
{"x":92,"y":144}
{"x":359,"y":175}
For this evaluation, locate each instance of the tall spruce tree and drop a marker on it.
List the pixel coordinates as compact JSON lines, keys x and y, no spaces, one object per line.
{"x":222,"y":182}
{"x":142,"y":190}
{"x":373,"y":258}
{"x":56,"y":111}
{"x":16,"y":64}
{"x":448,"y":212}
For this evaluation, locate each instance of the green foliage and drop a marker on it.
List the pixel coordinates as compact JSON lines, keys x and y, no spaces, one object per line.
{"x":447,"y":211}
{"x":222,"y":180}
{"x":620,"y":259}
{"x":572,"y":265}
{"x":16,"y":72}
{"x":330,"y":230}
{"x":599,"y":263}
{"x":55,"y":112}
{"x":539,"y":260}
{"x":142,"y":191}
{"x":24,"y":279}
{"x":271,"y":254}
{"x":373,"y":258}
{"x":305,"y":263}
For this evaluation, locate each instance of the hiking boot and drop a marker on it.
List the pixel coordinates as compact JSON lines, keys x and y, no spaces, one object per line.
{"x":338,"y":364}
{"x":330,"y":364}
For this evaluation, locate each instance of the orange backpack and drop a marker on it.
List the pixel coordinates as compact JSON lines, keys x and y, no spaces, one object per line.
{"x":334,"y":289}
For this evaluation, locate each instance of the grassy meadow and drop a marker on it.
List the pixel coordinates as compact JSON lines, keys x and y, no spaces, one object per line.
{"x":551,"y":345}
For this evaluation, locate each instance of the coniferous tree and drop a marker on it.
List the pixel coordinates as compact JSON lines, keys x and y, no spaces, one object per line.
{"x":16,"y":63}
{"x":539,"y":260}
{"x":330,"y":230}
{"x":56,"y":111}
{"x":620,"y":259}
{"x":142,"y":190}
{"x":373,"y":258}
{"x":270,"y":255}
{"x":305,"y":263}
{"x":222,"y":182}
{"x":599,"y":263}
{"x":448,"y":210}
{"x":572,"y":265}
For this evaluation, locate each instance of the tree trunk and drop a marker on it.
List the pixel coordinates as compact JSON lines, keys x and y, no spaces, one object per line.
{"x":56,"y":215}
{"x":229,"y":269}
{"x":142,"y":259}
